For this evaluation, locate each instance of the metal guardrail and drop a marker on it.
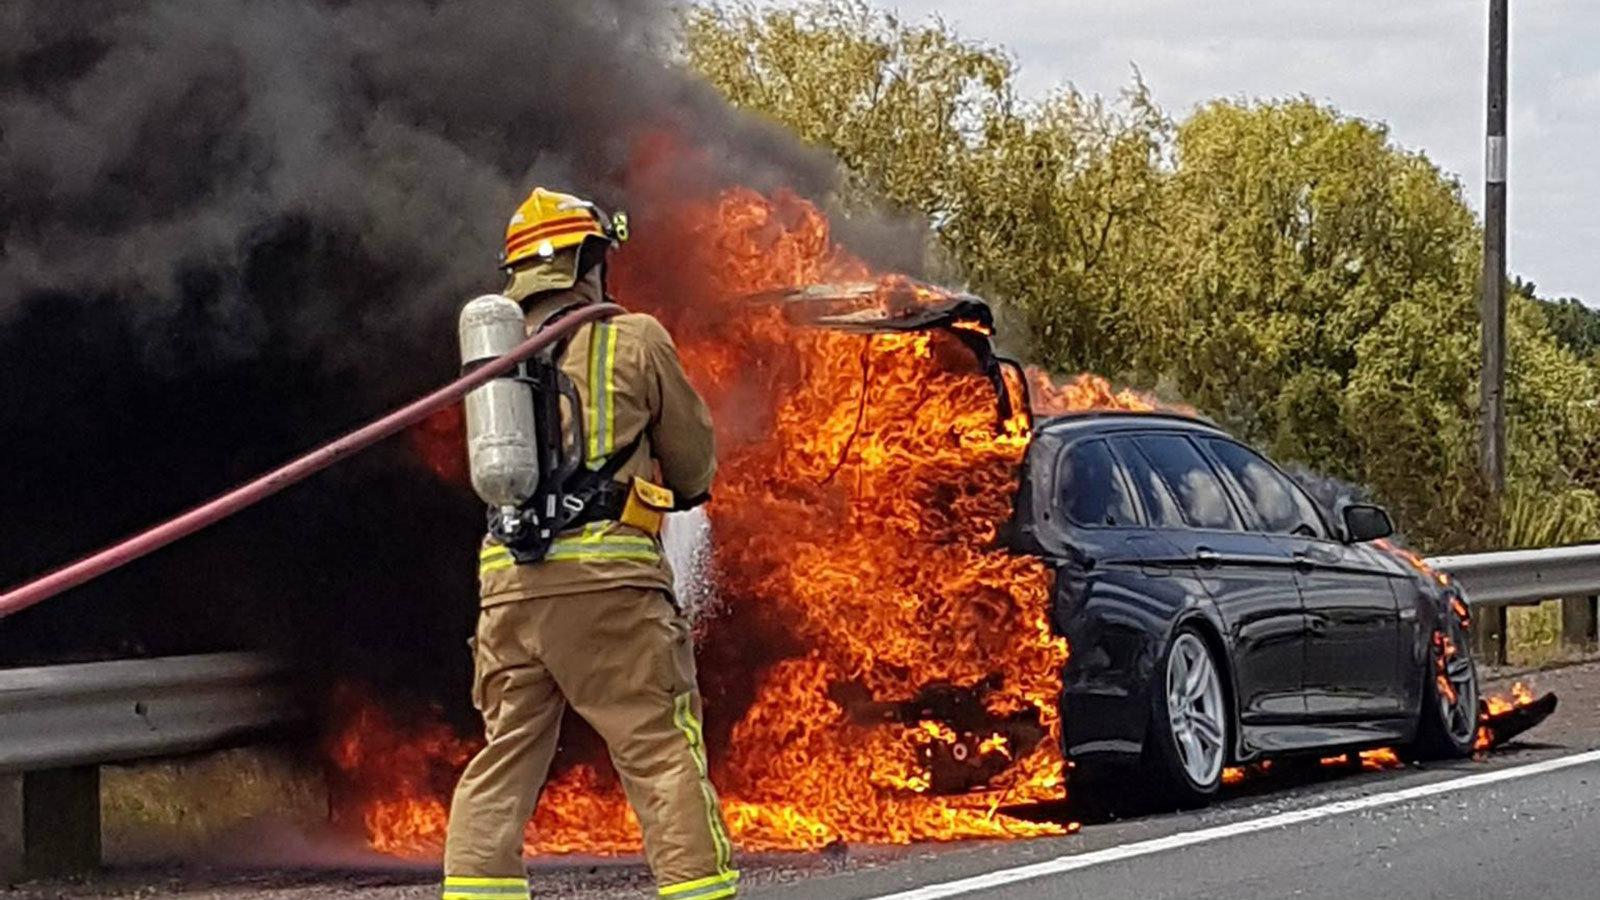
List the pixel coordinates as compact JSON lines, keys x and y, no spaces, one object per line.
{"x":55,"y":717}
{"x":59,"y":723}
{"x":59,"y":717}
{"x":1525,"y":576}
{"x":1494,"y":581}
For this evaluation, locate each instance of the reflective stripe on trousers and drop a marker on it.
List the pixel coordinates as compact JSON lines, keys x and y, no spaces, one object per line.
{"x":723,"y":883}
{"x":592,"y":543}
{"x":467,"y":887}
{"x":717,"y":886}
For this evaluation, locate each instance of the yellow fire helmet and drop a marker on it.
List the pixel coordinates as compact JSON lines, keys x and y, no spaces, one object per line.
{"x":548,"y":222}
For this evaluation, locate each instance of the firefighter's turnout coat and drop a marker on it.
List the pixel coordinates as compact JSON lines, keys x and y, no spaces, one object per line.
{"x":595,"y":624}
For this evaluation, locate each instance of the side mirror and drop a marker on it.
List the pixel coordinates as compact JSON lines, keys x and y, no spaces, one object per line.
{"x":1365,"y":522}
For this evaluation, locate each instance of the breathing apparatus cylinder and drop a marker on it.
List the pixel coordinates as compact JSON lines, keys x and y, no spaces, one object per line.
{"x":502,"y":447}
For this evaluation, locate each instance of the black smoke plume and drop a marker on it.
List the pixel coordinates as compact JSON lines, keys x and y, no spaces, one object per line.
{"x":230,"y":230}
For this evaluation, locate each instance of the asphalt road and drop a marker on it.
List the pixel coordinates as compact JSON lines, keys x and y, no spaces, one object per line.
{"x":1531,"y":835}
{"x":1523,"y":823}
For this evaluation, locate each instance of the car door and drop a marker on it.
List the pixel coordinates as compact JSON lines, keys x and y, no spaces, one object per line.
{"x":1249,"y":577}
{"x":1103,"y":602}
{"x":1352,"y":662}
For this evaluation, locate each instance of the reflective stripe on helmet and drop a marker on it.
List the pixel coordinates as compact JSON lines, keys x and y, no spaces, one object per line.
{"x":516,"y":240}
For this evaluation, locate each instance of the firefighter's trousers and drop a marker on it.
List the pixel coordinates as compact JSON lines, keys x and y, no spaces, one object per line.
{"x":624,"y":659}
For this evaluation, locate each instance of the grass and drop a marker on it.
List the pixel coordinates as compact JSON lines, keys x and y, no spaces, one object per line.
{"x":176,"y":808}
{"x":1533,"y":634}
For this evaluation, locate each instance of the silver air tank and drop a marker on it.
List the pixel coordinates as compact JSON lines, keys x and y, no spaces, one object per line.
{"x":501,"y":449}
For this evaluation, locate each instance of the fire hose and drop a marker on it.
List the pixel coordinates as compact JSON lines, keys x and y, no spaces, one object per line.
{"x":252,"y":492}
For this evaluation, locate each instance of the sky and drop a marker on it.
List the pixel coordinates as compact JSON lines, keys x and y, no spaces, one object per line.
{"x":1417,"y":65}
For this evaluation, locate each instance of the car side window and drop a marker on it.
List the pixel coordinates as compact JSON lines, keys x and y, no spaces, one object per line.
{"x":1282,"y":506}
{"x":1160,"y":507}
{"x":1091,"y":490}
{"x":1200,"y":493}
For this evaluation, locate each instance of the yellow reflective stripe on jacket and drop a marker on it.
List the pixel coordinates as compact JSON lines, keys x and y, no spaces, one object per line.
{"x":470,"y":887}
{"x":683,"y":716}
{"x":494,"y":558}
{"x":724,"y":884}
{"x":593,"y":543}
{"x":601,"y":415}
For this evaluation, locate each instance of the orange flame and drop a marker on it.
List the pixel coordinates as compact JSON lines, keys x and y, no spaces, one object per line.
{"x":1415,"y":561}
{"x":862,"y":482}
{"x":1495,"y":705}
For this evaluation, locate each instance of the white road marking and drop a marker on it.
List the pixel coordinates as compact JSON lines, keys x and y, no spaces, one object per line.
{"x":1071,"y":863}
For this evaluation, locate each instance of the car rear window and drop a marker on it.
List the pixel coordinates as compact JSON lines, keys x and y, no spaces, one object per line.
{"x":1090,"y":490}
{"x":1200,"y":493}
{"x":1279,"y":502}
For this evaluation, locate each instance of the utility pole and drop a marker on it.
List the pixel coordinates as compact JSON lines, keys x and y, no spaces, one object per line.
{"x":1492,"y":307}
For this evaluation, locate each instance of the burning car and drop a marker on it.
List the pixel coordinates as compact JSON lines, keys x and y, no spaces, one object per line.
{"x":1216,"y":616}
{"x":1214,"y":613}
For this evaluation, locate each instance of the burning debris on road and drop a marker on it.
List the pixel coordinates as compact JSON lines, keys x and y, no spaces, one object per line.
{"x":1505,"y":716}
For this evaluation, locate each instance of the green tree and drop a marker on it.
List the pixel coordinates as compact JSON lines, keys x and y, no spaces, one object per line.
{"x":1283,"y":267}
{"x":1048,"y":206}
{"x":1572,"y":323}
{"x":902,"y":106}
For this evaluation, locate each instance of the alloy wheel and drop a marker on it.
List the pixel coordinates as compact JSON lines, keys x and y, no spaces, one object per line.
{"x":1459,"y":706}
{"x":1195,"y":710}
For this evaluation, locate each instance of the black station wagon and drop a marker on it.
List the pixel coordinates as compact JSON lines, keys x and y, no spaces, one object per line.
{"x":1216,"y":615}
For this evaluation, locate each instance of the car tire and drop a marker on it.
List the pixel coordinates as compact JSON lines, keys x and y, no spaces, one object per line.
{"x":1191,"y":725}
{"x":1447,"y":727}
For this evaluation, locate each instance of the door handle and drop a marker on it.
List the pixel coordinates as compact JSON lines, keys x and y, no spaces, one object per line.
{"x":1303,"y":561}
{"x":1206,"y":556}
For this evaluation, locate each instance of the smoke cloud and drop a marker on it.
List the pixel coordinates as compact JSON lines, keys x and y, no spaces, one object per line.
{"x":230,"y":229}
{"x":150,"y":145}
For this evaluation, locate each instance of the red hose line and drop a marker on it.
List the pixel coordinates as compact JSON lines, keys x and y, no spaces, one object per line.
{"x":150,"y":540}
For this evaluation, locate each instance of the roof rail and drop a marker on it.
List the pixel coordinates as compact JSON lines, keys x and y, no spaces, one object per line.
{"x":1173,"y":415}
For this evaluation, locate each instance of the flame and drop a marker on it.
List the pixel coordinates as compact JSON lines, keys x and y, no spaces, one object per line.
{"x":1368,"y":760}
{"x":1495,"y":705}
{"x":1415,"y":561}
{"x":880,"y":669}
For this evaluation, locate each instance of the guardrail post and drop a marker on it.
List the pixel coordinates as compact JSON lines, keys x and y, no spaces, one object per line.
{"x":1489,"y":635}
{"x":1578,"y":621}
{"x":61,"y":820}
{"x":10,"y":825}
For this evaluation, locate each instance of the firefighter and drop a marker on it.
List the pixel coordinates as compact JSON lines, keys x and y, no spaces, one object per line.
{"x":595,"y":622}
